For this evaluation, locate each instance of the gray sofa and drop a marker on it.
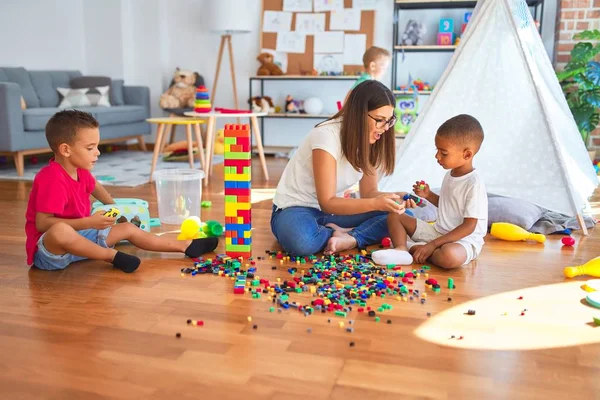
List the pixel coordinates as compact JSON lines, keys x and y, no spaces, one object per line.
{"x":22,"y":131}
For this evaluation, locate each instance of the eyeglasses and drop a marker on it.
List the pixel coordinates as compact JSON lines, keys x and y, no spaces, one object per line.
{"x":383,"y":123}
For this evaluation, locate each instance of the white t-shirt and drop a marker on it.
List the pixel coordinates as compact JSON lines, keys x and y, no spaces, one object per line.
{"x":297,"y":184}
{"x":463,"y":197}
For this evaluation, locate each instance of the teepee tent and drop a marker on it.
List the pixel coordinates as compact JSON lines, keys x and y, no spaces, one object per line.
{"x":501,"y":75}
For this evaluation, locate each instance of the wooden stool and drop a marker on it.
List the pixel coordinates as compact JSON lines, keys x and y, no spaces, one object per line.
{"x":160,"y":141}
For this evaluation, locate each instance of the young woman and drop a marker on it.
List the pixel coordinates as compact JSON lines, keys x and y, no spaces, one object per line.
{"x":309,"y":212}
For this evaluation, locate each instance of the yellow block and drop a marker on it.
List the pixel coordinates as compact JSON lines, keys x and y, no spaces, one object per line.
{"x":227,"y":240}
{"x":227,"y":148}
{"x":231,"y":209}
{"x":247,"y":234}
{"x":240,"y":220}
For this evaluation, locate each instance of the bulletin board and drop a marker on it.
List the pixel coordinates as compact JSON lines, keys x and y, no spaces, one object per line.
{"x":302,"y":64}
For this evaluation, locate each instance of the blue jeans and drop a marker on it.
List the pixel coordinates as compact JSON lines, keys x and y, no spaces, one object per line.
{"x":43,"y":259}
{"x":301,"y":231}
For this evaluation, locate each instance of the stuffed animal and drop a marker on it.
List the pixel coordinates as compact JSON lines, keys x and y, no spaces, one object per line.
{"x":413,"y":34}
{"x":262,"y":104}
{"x":182,"y":91}
{"x":178,"y":151}
{"x":220,"y":142}
{"x":267,"y":66}
{"x":293,"y":106}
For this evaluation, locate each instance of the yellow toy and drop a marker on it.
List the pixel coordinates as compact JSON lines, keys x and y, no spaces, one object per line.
{"x":191,"y":228}
{"x":514,"y":233}
{"x":220,"y":142}
{"x":591,"y":268}
{"x":112,"y":212}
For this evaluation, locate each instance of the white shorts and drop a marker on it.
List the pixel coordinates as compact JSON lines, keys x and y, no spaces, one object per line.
{"x":425,"y":233}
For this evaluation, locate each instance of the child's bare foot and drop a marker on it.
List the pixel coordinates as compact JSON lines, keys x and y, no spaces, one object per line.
{"x":340,"y":241}
{"x":338,"y":228}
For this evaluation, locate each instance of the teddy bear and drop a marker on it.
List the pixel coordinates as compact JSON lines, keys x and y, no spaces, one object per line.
{"x":413,"y":34}
{"x":262,"y":104}
{"x":182,"y":90}
{"x":267,"y":66}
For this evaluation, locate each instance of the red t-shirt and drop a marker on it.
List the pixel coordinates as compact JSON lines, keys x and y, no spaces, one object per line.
{"x":55,"y":192}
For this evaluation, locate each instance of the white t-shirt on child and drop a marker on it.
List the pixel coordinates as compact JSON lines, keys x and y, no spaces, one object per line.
{"x":297,"y":184}
{"x":463,"y":197}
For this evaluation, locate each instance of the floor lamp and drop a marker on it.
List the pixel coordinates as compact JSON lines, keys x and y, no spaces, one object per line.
{"x":227,"y":19}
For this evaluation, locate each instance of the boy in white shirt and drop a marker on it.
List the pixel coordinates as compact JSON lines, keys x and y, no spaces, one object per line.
{"x":457,"y":236}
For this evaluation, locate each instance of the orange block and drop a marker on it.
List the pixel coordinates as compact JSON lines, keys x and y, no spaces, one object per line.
{"x":234,"y":234}
{"x":243,"y":199}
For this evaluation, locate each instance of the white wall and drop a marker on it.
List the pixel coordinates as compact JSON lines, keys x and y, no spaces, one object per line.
{"x":142,"y":41}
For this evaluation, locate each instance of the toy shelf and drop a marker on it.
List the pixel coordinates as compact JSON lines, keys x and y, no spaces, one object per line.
{"x":428,"y":4}
{"x":424,"y":48}
{"x":422,"y":92}
{"x":303,"y":77}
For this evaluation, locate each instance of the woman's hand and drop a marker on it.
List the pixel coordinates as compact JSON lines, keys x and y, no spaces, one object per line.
{"x":389,"y":202}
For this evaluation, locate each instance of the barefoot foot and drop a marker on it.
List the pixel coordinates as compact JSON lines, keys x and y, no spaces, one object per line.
{"x":340,"y":241}
{"x":338,"y":228}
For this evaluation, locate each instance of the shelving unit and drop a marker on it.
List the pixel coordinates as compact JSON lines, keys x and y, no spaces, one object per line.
{"x":399,"y":5}
{"x":280,"y":78}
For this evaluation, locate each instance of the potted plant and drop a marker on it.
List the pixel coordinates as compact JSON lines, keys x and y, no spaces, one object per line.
{"x":580,"y":81}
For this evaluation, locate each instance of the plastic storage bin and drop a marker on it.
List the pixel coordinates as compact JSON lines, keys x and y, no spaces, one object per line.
{"x":179,"y":194}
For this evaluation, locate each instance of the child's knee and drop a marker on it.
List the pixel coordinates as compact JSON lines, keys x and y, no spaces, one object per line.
{"x":60,"y":232}
{"x":449,"y":258}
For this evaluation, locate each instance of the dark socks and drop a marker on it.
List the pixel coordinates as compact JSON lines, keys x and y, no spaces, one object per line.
{"x":126,"y":262}
{"x":201,"y":246}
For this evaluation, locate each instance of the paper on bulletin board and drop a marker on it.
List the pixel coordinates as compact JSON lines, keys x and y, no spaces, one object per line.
{"x":328,"y":62}
{"x":364,"y":4}
{"x":279,"y":58}
{"x":354,"y":49}
{"x":347,"y":19}
{"x":328,"y":5}
{"x":291,"y":42}
{"x":329,"y":42}
{"x":310,"y":23}
{"x":277,"y":21}
{"x":297,"y":5}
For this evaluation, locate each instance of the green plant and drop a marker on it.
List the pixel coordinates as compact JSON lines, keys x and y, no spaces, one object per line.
{"x":580,"y":82}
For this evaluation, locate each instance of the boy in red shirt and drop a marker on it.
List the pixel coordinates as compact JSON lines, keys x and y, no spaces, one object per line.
{"x":59,"y":227}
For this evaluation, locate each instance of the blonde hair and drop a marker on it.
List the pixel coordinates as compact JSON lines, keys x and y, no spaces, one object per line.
{"x":373,"y":53}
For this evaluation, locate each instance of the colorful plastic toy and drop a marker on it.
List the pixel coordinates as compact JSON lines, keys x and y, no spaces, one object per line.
{"x":212,"y":228}
{"x":202,"y":103}
{"x":568,"y":241}
{"x":591,"y":268}
{"x":514,"y":233}
{"x":112,"y":212}
{"x":237,"y":166}
{"x":418,"y":201}
{"x":130,"y":210}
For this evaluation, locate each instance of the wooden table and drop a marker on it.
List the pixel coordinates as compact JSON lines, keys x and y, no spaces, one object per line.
{"x":210,"y":136}
{"x":160,"y":141}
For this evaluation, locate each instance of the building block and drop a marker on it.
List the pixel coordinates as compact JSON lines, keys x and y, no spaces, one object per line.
{"x":445,"y":39}
{"x":446,"y":25}
{"x":467,"y":17}
{"x":230,"y":140}
{"x":237,"y":156}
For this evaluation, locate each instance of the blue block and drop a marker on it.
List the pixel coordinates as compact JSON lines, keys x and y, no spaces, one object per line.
{"x":243,"y":185}
{"x":238,"y":227}
{"x":446,"y":25}
{"x":231,"y":184}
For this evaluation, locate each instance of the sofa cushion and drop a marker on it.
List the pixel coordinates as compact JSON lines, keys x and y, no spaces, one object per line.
{"x":46,"y":82}
{"x":92,"y":81}
{"x":92,"y":96}
{"x":119,"y":114}
{"x":35,"y":119}
{"x":20,"y":76}
{"x":116,"y":92}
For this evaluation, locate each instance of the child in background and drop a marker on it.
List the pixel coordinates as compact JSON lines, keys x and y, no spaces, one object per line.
{"x":376,"y":61}
{"x":59,"y":227}
{"x":457,"y":236}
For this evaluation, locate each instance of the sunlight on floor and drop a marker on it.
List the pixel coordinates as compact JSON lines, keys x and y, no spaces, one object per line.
{"x":259,"y":195}
{"x":556,"y":316}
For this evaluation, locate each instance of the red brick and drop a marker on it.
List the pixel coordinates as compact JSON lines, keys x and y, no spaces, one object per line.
{"x":582,"y":25}
{"x":567,"y":15}
{"x":565,"y":47}
{"x":571,"y":25}
{"x":565,"y":37}
{"x":563,"y":58}
{"x":596,"y":3}
{"x":593,"y":14}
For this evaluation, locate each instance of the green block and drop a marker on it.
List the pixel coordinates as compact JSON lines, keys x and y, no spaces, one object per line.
{"x":340,"y":314}
{"x":284,"y":297}
{"x":391,"y":266}
{"x":377,"y":319}
{"x":450,"y":283}
{"x":380,"y":309}
{"x":436,"y":290}
{"x":401,"y":274}
{"x":426,"y":267}
{"x":230,"y":199}
{"x":403,"y":289}
{"x":237,"y":156}
{"x":298,"y":290}
{"x":255,"y":282}
{"x":272,"y":309}
{"x":238,"y":247}
{"x":230,"y":140}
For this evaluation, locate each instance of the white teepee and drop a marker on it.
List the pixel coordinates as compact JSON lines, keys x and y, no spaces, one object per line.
{"x":501,"y":75}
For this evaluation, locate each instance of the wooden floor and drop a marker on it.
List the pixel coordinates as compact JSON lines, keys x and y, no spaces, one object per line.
{"x":92,"y":332}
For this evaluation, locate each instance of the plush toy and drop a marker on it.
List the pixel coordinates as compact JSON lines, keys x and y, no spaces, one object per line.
{"x":262,"y":104}
{"x":293,"y":106}
{"x":220,"y":142}
{"x":178,"y":151}
{"x":413,"y":34}
{"x":182,"y":91}
{"x":267,"y":66}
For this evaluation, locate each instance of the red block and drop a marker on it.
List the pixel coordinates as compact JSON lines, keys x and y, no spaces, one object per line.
{"x":244,"y":141}
{"x":238,"y":290}
{"x":237,"y":192}
{"x":238,"y":254}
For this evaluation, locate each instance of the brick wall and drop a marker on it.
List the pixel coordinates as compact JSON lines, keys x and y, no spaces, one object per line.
{"x":574,"y":16}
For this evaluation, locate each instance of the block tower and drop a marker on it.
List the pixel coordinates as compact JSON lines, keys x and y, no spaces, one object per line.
{"x":238,"y":222}
{"x":202,"y":102}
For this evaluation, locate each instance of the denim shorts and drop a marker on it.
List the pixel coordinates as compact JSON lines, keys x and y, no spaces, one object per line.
{"x":43,"y":259}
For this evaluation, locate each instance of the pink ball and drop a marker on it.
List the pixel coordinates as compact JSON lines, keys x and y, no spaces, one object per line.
{"x":386,"y":242}
{"x":568,"y":241}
